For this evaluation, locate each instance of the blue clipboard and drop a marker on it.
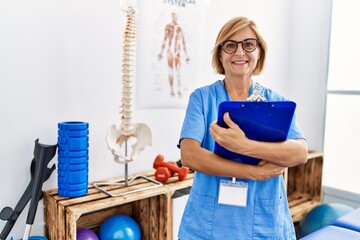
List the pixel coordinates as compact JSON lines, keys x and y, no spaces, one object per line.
{"x":260,"y":121}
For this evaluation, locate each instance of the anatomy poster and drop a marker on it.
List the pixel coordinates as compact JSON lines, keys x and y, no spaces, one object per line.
{"x":168,"y":43}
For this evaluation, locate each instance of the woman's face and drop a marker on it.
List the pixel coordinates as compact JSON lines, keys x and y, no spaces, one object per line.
{"x":240,"y":63}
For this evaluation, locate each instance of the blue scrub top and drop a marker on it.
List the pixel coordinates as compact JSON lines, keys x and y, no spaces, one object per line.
{"x":266,"y":215}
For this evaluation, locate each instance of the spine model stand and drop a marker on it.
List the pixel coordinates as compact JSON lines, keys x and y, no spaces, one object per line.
{"x":119,"y":137}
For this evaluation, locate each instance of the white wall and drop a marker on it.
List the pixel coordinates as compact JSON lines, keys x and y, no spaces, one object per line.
{"x":61,"y":60}
{"x":337,"y":195}
{"x":310,"y":31}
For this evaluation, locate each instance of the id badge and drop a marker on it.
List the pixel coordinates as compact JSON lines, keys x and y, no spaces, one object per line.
{"x":233,"y":193}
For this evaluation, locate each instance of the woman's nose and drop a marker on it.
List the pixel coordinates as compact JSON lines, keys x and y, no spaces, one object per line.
{"x":240,"y":50}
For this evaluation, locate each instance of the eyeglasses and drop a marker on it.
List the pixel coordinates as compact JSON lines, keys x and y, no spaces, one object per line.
{"x":248,"y":45}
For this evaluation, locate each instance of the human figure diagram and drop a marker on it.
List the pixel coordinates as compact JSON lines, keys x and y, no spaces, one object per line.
{"x":173,"y":42}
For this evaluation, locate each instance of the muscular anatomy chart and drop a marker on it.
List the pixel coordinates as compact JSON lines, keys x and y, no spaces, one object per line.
{"x":174,"y":43}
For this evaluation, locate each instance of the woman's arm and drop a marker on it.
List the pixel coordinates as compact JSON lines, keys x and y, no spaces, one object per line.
{"x":287,"y":153}
{"x":205,"y":161}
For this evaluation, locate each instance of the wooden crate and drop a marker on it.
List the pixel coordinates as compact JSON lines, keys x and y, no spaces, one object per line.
{"x":151,"y":209}
{"x":304,"y":186}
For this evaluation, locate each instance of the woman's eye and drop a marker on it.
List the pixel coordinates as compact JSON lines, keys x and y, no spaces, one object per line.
{"x":230,"y":45}
{"x":248,"y":44}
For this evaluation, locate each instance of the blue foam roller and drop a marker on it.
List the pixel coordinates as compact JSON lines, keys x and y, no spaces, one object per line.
{"x":73,"y":160}
{"x":73,"y":125}
{"x":73,"y":144}
{"x":73,"y":150}
{"x":73,"y":154}
{"x":72,"y":193}
{"x":73,"y":187}
{"x":73,"y":167}
{"x":73,"y":177}
{"x":78,"y":133}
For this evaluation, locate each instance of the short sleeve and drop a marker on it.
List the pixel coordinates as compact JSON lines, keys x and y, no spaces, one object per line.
{"x":194,"y":124}
{"x":295,"y":131}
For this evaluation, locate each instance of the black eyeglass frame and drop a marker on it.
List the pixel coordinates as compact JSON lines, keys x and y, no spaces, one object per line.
{"x":237,"y":45}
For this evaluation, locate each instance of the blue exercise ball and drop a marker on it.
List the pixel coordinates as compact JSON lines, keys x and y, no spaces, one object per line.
{"x":321,"y":216}
{"x":119,"y":227}
{"x":85,"y":234}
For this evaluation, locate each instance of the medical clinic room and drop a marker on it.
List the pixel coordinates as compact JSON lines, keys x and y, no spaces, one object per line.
{"x":179,"y":120}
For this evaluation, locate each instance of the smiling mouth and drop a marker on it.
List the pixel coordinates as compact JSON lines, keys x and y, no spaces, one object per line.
{"x":239,"y":62}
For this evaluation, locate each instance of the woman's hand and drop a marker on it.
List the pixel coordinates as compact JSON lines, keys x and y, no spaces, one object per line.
{"x":205,"y":161}
{"x":286,"y":153}
{"x":232,"y":138}
{"x":266,"y":170}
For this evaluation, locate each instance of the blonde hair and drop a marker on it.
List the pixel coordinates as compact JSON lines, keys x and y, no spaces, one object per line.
{"x":227,"y":31}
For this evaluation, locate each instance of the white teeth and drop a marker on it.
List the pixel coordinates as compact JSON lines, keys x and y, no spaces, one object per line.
{"x":239,"y":62}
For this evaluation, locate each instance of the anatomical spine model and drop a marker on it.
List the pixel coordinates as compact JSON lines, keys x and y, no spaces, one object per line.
{"x":137,"y":133}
